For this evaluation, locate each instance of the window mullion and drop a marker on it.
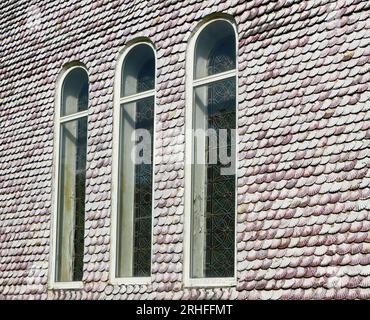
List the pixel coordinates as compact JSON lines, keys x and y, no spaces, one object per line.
{"x":74,"y":116}
{"x":137,"y":96}
{"x":214,"y":78}
{"x":134,"y":101}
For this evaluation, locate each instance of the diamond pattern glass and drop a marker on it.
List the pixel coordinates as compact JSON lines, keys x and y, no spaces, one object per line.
{"x":143,"y":196}
{"x":220,"y":208}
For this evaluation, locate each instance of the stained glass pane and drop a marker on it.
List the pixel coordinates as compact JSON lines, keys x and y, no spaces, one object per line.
{"x":145,"y":80}
{"x":136,"y":178}
{"x":215,"y":50}
{"x":222,"y":57}
{"x":143,"y":194}
{"x":213,"y":190}
{"x":138,"y":70}
{"x":71,"y":211}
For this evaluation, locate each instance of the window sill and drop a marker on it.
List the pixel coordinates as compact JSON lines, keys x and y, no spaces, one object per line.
{"x":210,"y":282}
{"x":66,"y":285}
{"x":131,"y":281}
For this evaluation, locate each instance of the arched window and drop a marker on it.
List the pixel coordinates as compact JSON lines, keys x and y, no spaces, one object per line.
{"x":210,"y":202}
{"x":135,"y":120}
{"x":71,"y":175}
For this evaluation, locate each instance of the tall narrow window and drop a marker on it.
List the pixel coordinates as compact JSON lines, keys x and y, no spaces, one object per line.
{"x":212,"y":200}
{"x":72,"y":176}
{"x":134,"y":236}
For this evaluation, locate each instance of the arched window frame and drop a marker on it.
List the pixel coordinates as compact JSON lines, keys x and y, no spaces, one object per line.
{"x":118,"y":101}
{"x":58,"y":121}
{"x":191,"y":84}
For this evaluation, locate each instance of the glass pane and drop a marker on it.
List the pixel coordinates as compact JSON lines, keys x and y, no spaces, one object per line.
{"x":135,"y":188}
{"x":215,"y":50}
{"x":213,"y":176}
{"x":71,"y":211}
{"x":138,"y":70}
{"x":75,"y":92}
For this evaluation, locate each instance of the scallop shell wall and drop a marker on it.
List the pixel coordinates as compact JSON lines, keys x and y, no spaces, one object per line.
{"x":303,"y":209}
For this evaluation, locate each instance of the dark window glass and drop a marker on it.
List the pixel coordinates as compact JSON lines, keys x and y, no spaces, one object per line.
{"x":215,"y":50}
{"x":222,"y":57}
{"x":143,"y":194}
{"x":213,"y":189}
{"x":72,"y":200}
{"x":75,"y":92}
{"x":136,"y":188}
{"x":138,"y":71}
{"x":72,"y":178}
{"x":220,"y":207}
{"x":145,"y":79}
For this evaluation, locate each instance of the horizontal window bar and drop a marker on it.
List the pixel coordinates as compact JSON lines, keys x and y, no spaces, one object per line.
{"x":74,"y":116}
{"x":214,"y":78}
{"x":137,"y":96}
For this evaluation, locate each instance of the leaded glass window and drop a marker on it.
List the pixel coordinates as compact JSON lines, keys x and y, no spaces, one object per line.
{"x":213,"y":153}
{"x":135,"y":163}
{"x":72,"y":177}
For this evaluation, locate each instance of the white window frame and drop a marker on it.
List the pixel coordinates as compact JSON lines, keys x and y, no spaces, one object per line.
{"x":191,"y":84}
{"x":58,"y":121}
{"x":118,"y":101}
